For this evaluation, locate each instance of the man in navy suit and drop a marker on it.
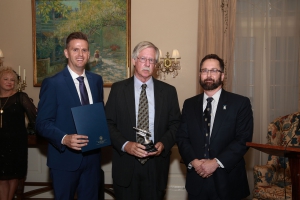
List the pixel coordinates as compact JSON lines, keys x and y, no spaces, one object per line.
{"x":213,"y":152}
{"x":71,"y":170}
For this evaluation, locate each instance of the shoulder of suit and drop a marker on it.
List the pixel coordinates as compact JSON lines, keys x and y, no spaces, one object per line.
{"x":194,"y":98}
{"x":59,"y":74}
{"x":92,"y":74}
{"x":121,"y":85}
{"x":53,"y":78}
{"x":234,"y":95}
{"x":56,"y":78}
{"x":123,"y":82}
{"x":161,"y":83}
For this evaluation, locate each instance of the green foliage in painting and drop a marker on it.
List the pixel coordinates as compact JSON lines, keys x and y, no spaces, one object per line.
{"x":47,"y":9}
{"x":103,"y":21}
{"x":44,"y":47}
{"x":93,"y":16}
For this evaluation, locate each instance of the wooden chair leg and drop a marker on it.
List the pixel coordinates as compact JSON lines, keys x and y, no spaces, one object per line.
{"x":108,"y":188}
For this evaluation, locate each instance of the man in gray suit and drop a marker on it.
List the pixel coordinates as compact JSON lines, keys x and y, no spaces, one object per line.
{"x":132,"y":178}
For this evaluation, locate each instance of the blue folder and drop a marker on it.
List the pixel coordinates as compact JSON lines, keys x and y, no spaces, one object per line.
{"x":90,"y":120}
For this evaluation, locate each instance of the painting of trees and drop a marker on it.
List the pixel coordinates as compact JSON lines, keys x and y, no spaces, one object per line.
{"x":105,"y":22}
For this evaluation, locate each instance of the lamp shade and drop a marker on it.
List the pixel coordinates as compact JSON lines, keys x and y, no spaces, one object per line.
{"x":160,"y":54}
{"x":175,"y":54}
{"x":1,"y":54}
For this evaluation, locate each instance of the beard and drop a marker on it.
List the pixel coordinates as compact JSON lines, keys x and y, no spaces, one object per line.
{"x":210,"y":86}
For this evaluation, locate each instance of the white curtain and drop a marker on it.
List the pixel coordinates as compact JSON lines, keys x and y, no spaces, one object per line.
{"x":266,"y":63}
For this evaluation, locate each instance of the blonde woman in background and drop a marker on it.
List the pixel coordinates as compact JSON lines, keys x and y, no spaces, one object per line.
{"x":13,"y":133}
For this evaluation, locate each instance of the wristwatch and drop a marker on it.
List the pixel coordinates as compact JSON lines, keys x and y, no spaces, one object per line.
{"x":190,"y":166}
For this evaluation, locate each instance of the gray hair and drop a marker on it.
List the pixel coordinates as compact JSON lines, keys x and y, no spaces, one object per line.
{"x":143,"y":45}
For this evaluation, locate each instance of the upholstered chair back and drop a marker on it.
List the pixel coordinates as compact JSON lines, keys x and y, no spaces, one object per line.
{"x":273,"y":180}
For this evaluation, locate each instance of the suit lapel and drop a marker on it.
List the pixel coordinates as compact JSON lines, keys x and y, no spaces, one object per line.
{"x":130,"y":100}
{"x":70,"y":84}
{"x":221,"y":113}
{"x":92,"y":85}
{"x":158,"y":98}
{"x":199,"y":112}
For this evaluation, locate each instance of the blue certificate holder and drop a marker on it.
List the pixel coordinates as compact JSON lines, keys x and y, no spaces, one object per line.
{"x":90,"y":120}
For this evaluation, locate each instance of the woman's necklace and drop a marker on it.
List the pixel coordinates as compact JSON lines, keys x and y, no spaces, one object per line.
{"x":1,"y":110}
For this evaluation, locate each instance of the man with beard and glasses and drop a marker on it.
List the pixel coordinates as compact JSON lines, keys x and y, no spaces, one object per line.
{"x":212,"y":136}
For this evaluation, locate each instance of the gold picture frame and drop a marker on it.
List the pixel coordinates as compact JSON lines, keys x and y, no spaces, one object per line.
{"x":106,"y":23}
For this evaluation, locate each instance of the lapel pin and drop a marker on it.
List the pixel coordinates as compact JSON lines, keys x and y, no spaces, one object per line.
{"x":224,"y":107}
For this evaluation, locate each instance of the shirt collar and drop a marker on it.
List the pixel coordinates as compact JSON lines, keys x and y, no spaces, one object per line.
{"x":74,"y":75}
{"x":138,"y":84}
{"x":216,"y":96}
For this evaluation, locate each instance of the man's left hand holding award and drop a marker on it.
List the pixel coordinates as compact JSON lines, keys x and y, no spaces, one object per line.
{"x":90,"y":120}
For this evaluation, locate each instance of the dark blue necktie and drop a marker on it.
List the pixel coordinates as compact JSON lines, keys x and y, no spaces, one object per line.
{"x":207,"y":117}
{"x":83,"y":91}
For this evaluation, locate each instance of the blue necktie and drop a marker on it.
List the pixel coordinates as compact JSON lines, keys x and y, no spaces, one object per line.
{"x":207,"y":117}
{"x":83,"y":91}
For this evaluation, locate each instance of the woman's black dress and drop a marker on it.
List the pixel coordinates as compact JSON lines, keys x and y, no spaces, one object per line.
{"x":13,"y":135}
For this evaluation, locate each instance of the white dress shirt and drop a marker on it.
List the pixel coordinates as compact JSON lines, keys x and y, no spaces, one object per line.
{"x":214,"y":105}
{"x":151,"y":105}
{"x":76,"y":82}
{"x":150,"y":96}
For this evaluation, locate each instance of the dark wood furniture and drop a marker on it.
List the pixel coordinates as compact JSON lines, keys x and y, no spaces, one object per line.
{"x":293,"y":154}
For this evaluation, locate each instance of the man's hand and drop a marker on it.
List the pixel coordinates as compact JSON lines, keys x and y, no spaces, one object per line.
{"x":136,"y":149}
{"x":75,"y":141}
{"x":208,"y":167}
{"x":160,"y":147}
{"x":197,"y":165}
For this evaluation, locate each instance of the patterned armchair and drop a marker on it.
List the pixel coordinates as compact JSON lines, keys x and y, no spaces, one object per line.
{"x":269,"y":180}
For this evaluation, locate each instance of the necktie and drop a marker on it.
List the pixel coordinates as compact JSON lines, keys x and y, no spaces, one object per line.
{"x":83,"y":92}
{"x":143,"y":118}
{"x":207,"y":117}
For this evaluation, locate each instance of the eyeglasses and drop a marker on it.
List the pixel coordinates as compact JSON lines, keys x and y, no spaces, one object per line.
{"x":143,"y":60}
{"x":212,"y":71}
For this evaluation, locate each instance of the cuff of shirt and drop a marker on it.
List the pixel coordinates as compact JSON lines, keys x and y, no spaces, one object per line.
{"x":123,"y":147}
{"x":63,"y":139}
{"x":220,"y":164}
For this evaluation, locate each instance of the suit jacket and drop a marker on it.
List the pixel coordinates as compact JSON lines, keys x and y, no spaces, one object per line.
{"x":54,"y":120}
{"x":120,"y":114}
{"x":232,"y":128}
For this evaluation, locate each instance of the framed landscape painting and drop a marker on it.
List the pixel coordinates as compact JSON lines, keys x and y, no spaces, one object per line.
{"x":105,"y":22}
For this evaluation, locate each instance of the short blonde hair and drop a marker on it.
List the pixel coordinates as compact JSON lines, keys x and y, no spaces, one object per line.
{"x":9,"y":70}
